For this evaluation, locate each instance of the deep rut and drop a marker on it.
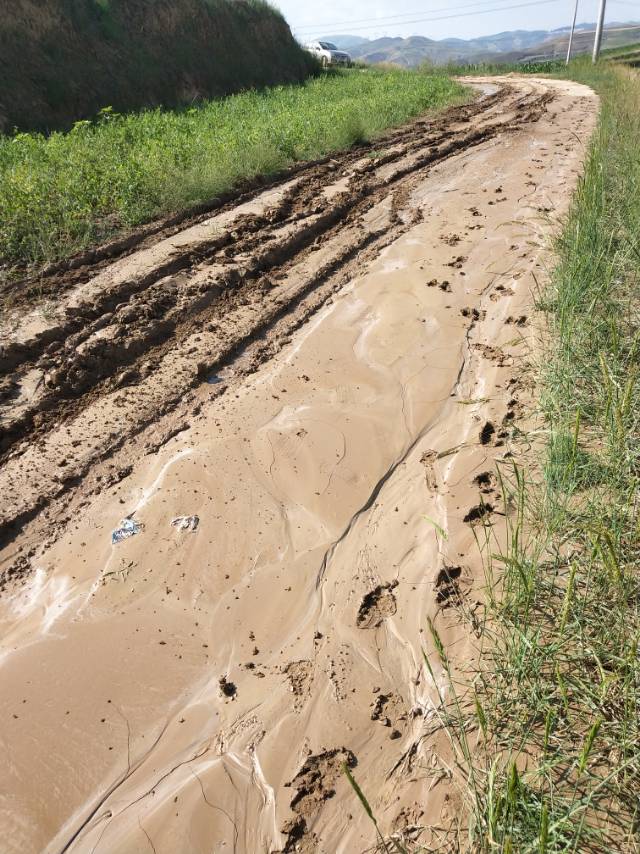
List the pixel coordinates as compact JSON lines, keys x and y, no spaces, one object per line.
{"x":153,"y":324}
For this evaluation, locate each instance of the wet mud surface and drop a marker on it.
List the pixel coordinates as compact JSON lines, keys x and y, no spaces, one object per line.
{"x":323,"y":374}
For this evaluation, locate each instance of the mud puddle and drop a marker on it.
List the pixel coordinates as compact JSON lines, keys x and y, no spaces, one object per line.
{"x":318,"y":398}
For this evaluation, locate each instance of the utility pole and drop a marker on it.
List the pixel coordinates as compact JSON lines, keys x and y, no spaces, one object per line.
{"x":573,"y":29}
{"x":598,"y":40}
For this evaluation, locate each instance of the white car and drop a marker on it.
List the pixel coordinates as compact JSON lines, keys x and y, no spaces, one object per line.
{"x":328,"y":54}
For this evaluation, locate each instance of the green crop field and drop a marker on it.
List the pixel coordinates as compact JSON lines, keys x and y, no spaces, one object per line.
{"x":64,"y":192}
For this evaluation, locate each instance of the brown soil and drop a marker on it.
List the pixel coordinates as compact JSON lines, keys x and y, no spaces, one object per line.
{"x":283,"y":369}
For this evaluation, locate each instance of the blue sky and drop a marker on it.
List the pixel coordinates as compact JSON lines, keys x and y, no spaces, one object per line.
{"x":460,"y":18}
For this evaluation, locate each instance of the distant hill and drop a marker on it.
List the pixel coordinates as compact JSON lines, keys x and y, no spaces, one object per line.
{"x":346,"y":42}
{"x":509,"y":46}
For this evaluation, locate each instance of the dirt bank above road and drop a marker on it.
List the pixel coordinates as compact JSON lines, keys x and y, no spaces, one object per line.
{"x":311,"y":372}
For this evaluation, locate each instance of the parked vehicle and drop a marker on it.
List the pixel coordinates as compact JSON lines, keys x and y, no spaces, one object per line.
{"x":328,"y":54}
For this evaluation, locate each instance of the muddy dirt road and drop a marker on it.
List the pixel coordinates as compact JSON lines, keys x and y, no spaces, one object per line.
{"x":314,"y":372}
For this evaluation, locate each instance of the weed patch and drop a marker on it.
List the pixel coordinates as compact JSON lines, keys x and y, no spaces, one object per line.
{"x":61,"y":193}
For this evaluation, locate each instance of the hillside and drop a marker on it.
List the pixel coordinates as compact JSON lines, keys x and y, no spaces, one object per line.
{"x":66,"y":59}
{"x":511,"y":46}
{"x":346,"y":42}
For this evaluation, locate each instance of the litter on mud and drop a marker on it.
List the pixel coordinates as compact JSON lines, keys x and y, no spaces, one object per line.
{"x":128,"y":528}
{"x":186,"y":523}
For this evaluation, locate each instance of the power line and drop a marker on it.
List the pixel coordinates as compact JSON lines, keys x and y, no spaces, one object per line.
{"x":384,"y":18}
{"x":447,"y":17}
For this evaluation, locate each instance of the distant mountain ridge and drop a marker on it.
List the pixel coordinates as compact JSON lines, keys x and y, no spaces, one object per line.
{"x":508,"y":46}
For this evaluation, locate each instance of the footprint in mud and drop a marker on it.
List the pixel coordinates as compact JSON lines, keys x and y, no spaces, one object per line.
{"x":315,"y":783}
{"x":299,"y":675}
{"x":428,"y":460}
{"x":486,"y":482}
{"x":408,"y":819}
{"x":377,"y":605}
{"x":514,"y":410}
{"x":447,"y":586}
{"x":501,"y":291}
{"x":479,"y":513}
{"x":338,"y":672}
{"x":517,"y":321}
{"x":451,"y":239}
{"x":444,"y":285}
{"x":487,"y":433}
{"x":494,"y":354}
{"x":473,"y":313}
{"x":389,"y":710}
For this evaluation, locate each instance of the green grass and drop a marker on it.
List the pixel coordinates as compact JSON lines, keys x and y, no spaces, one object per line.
{"x":64,"y":192}
{"x":612,"y":52}
{"x":554,"y":710}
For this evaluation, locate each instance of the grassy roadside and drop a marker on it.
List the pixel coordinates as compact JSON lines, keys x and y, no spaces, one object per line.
{"x":61,"y":193}
{"x":556,"y":706}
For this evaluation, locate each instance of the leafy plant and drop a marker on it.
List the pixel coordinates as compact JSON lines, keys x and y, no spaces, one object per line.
{"x":61,"y":193}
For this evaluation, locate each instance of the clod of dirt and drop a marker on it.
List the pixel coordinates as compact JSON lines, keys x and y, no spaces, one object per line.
{"x":376,"y":605}
{"x":476,"y":514}
{"x":389,"y":710}
{"x":487,"y":433}
{"x":447,"y":586}
{"x":227,"y":689}
{"x":458,"y":262}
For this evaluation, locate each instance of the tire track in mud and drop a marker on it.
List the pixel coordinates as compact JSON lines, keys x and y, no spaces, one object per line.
{"x":127,"y":343}
{"x":202,"y":689}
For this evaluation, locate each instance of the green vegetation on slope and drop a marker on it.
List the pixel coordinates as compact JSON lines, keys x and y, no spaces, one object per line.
{"x":558,"y":694}
{"x":67,"y":191}
{"x":64,"y":60}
